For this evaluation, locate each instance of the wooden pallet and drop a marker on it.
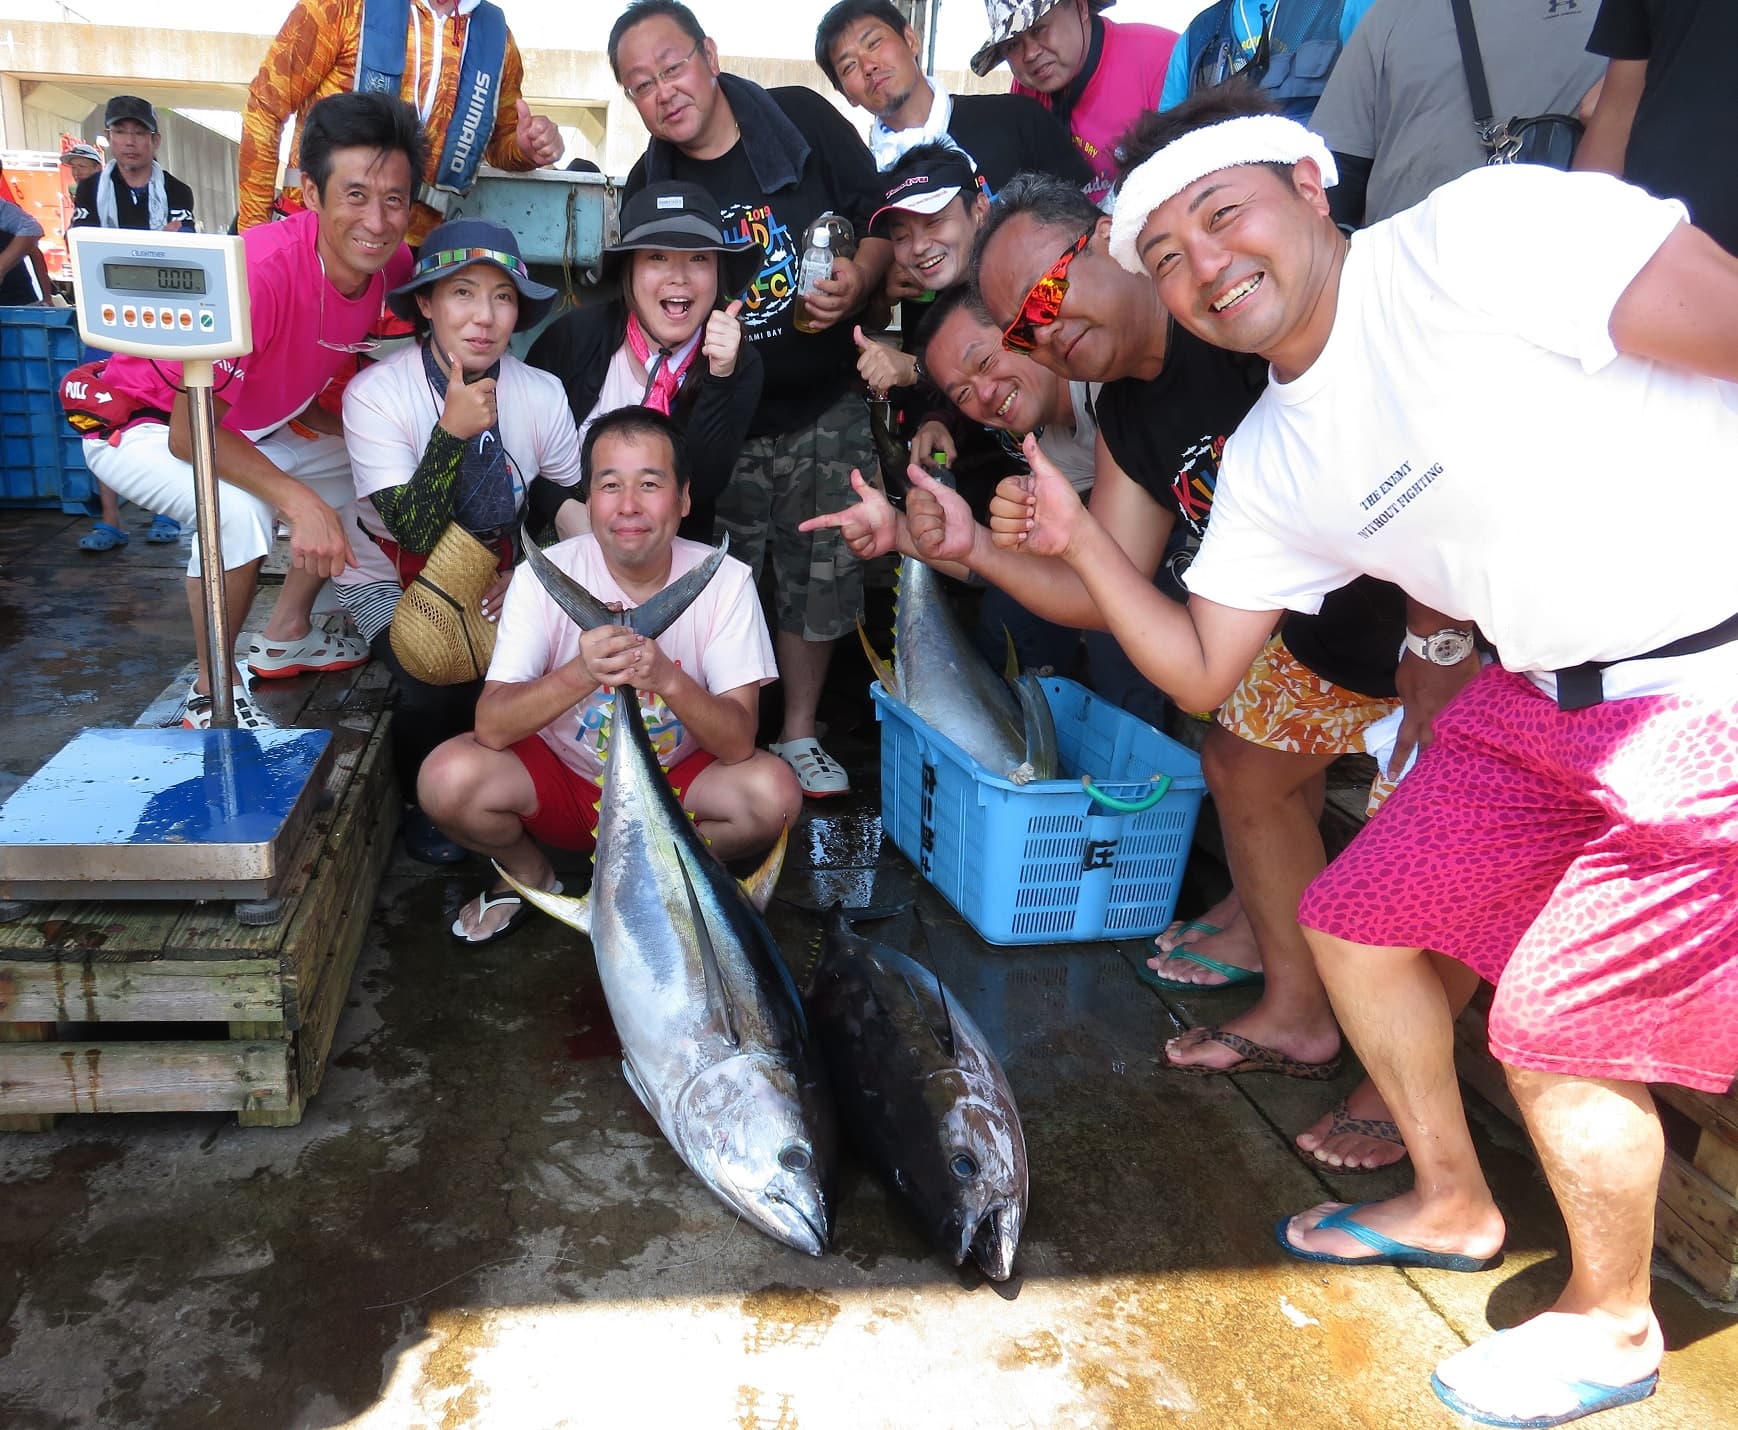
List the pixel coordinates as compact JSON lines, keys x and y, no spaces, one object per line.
{"x":174,"y":1006}
{"x":1696,"y":1219}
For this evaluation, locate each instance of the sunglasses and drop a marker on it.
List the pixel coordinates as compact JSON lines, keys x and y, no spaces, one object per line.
{"x":1043,"y":302}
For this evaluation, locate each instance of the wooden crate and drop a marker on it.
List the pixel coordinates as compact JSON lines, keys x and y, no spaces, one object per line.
{"x":174,"y":1006}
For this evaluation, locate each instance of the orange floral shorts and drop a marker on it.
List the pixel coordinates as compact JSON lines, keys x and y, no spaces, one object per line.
{"x":1283,"y":705}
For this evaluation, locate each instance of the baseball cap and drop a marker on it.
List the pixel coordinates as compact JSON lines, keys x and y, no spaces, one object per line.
{"x":923,"y":184}
{"x":130,"y":106}
{"x":81,"y":151}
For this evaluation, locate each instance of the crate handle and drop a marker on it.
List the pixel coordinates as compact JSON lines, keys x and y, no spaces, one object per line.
{"x":1161,"y":787}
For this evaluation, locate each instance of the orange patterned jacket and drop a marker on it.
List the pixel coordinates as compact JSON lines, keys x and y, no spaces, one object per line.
{"x":315,"y":54}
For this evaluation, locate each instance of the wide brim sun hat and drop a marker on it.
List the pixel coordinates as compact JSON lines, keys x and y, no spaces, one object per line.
{"x":683,"y":218}
{"x":1008,"y":18}
{"x":458,"y":244}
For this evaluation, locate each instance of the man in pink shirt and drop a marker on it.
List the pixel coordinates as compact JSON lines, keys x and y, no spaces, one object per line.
{"x":1093,"y":74}
{"x":532,"y":766}
{"x":315,"y":287}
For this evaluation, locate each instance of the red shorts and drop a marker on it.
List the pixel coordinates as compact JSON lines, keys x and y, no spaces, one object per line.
{"x":566,"y":816}
{"x":1585,"y":862}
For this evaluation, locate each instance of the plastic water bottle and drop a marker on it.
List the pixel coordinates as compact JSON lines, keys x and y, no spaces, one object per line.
{"x":817,"y":263}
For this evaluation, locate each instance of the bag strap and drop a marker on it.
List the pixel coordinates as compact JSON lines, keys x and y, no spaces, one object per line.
{"x":1473,"y":64}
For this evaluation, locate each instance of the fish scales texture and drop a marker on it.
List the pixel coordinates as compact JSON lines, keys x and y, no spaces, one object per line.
{"x":919,"y":1088}
{"x":944,"y":680}
{"x":751,"y":1117}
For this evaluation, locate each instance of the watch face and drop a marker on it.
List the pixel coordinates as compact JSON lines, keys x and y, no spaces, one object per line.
{"x":1448,"y":647}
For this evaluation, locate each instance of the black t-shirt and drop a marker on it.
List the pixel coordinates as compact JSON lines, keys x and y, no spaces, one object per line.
{"x":805,"y":372}
{"x":1008,"y":134}
{"x":132,"y":206}
{"x":1687,"y":121}
{"x":1168,"y":433}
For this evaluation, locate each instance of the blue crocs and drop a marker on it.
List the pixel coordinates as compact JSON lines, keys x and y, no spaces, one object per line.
{"x":102,"y":537}
{"x":1384,"y":1250}
{"x":1590,"y":1396}
{"x":164,"y":529}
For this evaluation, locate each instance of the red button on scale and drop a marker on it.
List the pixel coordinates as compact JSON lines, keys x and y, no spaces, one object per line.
{"x":108,"y":315}
{"x":129,"y":317}
{"x":184,"y":319}
{"x":166,"y":316}
{"x":149,"y":317}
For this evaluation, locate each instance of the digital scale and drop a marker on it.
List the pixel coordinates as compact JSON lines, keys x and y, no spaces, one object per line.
{"x":153,"y":813}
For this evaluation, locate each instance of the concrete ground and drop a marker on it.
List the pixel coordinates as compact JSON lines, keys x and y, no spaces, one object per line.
{"x":477,"y":1225}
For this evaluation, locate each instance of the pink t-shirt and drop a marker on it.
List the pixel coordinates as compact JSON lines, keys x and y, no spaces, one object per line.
{"x":1130,"y":74}
{"x":293,"y":307}
{"x":721,"y":640}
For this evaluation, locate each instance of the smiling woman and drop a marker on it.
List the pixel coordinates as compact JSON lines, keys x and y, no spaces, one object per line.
{"x":671,"y":339}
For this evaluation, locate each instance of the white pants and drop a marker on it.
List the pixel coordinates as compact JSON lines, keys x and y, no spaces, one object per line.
{"x":142,"y":469}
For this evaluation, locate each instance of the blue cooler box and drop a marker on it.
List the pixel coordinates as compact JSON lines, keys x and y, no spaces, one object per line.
{"x":1053,"y":861}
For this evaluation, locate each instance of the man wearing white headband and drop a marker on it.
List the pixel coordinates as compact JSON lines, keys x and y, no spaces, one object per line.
{"x":1463,"y":401}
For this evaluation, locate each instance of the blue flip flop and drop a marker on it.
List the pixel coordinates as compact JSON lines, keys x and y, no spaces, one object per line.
{"x":1385,"y":1251}
{"x":1234,"y":976}
{"x":1591,"y":1397}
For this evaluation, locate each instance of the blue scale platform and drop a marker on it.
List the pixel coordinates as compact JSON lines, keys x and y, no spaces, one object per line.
{"x":163,"y":814}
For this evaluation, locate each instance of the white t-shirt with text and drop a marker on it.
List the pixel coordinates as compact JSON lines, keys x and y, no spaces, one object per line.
{"x":1471,"y":434}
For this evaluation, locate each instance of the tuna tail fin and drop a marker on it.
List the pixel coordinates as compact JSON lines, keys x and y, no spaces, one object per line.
{"x":660,"y":613}
{"x":715,"y":994}
{"x":583,"y":608}
{"x":882,"y":670}
{"x":1040,"y":723}
{"x":759,"y":885}
{"x":575,"y":913}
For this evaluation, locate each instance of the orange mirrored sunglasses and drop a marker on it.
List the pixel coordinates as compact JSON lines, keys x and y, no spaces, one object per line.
{"x":1044,"y":302}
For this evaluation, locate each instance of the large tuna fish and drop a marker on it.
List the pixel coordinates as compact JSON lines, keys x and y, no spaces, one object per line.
{"x":922,"y":1095}
{"x":714,"y":1038}
{"x":939,"y":674}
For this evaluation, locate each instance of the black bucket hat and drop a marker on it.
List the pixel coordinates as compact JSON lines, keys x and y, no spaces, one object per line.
{"x":458,"y":244}
{"x":680,"y":217}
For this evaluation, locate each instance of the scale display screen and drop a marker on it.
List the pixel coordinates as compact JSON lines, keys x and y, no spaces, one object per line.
{"x":154,"y":278}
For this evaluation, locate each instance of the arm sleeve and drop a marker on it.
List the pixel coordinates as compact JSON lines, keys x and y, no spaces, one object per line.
{"x":1351,"y":17}
{"x":417,"y":512}
{"x":557,"y":435}
{"x":1243,"y":565}
{"x":503,"y":150}
{"x":1552,"y":269}
{"x":15,"y":222}
{"x":303,"y":54}
{"x":1176,"y":86}
{"x":1621,"y":31}
{"x":84,"y":202}
{"x":412,"y":489}
{"x":1346,"y":114}
{"x":1348,"y":200}
{"x":856,"y":187}
{"x":738,"y":651}
{"x":180,"y":198}
{"x":718,"y":425}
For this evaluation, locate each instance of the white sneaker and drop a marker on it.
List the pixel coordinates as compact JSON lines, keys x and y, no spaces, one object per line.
{"x":819,"y":774}
{"x":248,"y":716}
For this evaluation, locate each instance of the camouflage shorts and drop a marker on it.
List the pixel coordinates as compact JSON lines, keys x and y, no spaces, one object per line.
{"x":782,"y":480}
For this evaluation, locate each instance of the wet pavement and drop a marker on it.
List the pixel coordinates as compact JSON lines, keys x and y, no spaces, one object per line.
{"x":476,"y":1224}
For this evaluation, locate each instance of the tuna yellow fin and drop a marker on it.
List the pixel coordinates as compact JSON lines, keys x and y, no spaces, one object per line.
{"x":575,"y":913}
{"x":759,"y":885}
{"x":1011,"y":671}
{"x":882,"y":670}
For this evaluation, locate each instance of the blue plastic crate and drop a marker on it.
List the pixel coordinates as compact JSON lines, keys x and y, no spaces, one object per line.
{"x":1045,"y":862}
{"x":41,"y":458}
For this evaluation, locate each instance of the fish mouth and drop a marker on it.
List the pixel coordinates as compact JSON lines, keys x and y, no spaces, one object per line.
{"x":799,"y":1228}
{"x":994,"y":1240}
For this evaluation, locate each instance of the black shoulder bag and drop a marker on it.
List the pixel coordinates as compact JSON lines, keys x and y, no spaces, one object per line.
{"x":1542,"y":139}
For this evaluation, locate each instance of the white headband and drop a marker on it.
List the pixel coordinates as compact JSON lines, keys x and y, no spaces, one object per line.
{"x":1252,"y":139}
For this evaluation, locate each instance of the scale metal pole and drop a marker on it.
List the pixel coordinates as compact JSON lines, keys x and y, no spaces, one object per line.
{"x":219,"y":644}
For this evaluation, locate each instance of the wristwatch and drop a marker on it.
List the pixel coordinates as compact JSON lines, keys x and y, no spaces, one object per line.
{"x":1445,"y":647}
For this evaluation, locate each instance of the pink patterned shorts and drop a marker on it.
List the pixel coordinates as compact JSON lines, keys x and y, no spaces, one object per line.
{"x":1584,"y":862}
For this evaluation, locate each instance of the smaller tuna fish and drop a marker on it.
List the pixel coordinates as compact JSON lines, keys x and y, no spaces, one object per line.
{"x":924,"y":1097}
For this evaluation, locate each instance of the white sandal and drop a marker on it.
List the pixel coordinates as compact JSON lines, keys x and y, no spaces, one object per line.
{"x":314,"y":653}
{"x":819,"y":774}
{"x":248,"y":716}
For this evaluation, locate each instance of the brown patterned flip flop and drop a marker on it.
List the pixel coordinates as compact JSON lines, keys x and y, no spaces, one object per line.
{"x":1255,"y":1058}
{"x":1340,"y":1123}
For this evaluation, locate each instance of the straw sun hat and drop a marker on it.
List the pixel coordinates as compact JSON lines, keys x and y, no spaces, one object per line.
{"x":438,"y":631}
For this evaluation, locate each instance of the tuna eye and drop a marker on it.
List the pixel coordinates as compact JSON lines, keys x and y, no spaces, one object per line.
{"x":963,"y":1167}
{"x":795,"y":1158}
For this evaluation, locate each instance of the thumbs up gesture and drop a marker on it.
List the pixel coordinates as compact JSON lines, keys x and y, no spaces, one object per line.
{"x":723,"y":340}
{"x":539,"y":139}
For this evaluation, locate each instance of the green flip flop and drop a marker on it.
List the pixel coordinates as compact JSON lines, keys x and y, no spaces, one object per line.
{"x":1234,"y":976}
